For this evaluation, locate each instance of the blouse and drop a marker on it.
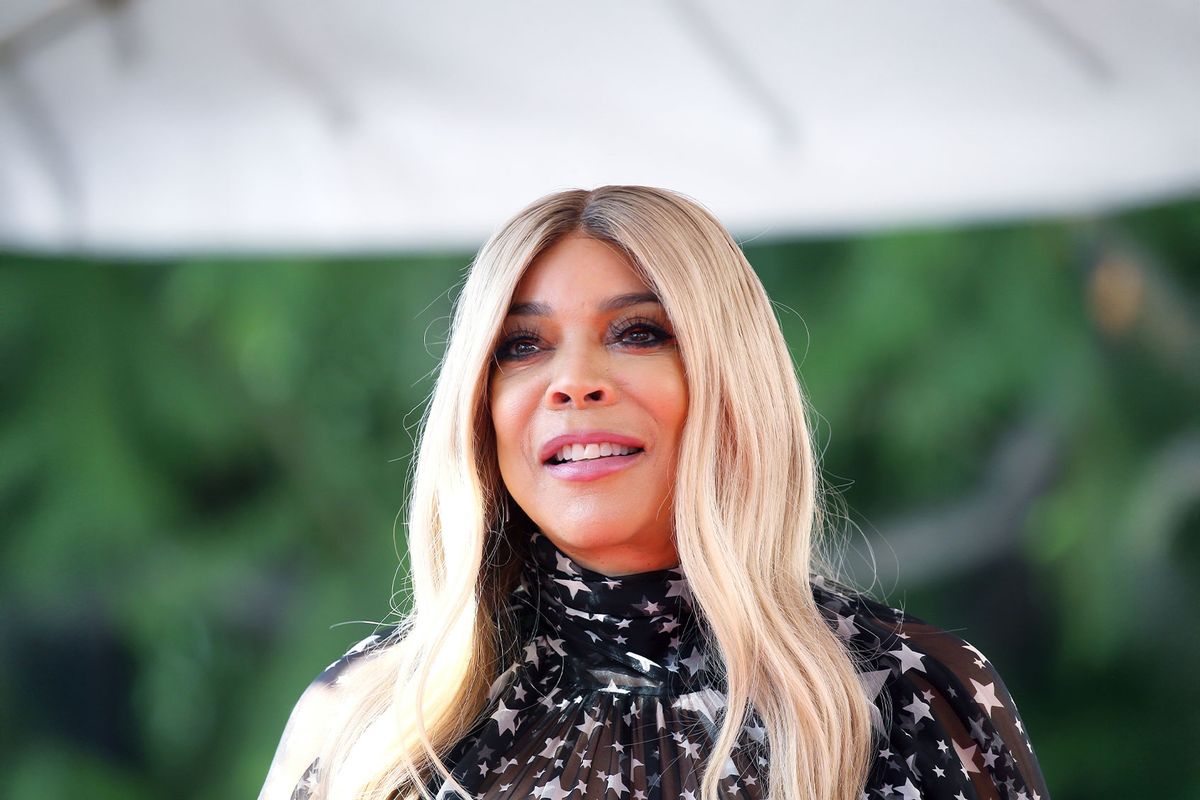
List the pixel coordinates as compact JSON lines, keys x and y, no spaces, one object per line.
{"x":615,"y":695}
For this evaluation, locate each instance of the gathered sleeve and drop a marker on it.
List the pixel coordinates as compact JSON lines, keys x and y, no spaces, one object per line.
{"x":294,"y":771}
{"x":946,"y":725}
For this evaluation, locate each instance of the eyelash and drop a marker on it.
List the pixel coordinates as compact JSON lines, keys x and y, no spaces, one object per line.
{"x":618,"y":331}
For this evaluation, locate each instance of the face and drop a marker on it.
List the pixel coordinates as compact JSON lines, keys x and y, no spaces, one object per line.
{"x":588,"y":401}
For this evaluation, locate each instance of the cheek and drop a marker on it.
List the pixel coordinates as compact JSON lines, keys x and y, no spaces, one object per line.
{"x":510,"y":412}
{"x":666,"y":401}
{"x":664,"y":394}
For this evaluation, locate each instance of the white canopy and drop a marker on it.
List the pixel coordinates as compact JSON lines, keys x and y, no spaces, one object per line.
{"x":163,"y":126}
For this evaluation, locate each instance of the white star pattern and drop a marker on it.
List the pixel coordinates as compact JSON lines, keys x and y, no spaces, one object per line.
{"x":693,"y":662}
{"x":908,"y":658}
{"x":756,"y":731}
{"x":872,"y":684}
{"x":980,"y":658}
{"x":706,"y":701}
{"x":552,"y":791}
{"x":643,"y":662}
{"x":610,"y":696}
{"x":565,"y":564}
{"x":573,"y":585}
{"x":919,"y":709}
{"x":966,"y":757}
{"x":985,"y":695}
{"x":506,"y":718}
{"x":588,"y":726}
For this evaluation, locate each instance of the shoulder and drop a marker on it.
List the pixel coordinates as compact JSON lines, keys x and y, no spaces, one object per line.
{"x":942,"y":713}
{"x":293,"y":769}
{"x":895,"y":639}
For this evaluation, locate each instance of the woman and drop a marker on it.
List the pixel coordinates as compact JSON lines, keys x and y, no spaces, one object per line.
{"x":612,"y":532}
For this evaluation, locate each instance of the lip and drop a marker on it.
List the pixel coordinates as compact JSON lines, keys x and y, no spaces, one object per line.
{"x":595,"y":468}
{"x":551,"y":447}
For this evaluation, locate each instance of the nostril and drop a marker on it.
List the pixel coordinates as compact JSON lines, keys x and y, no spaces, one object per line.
{"x":567,"y":398}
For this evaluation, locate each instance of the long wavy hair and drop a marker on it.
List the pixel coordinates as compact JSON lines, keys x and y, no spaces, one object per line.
{"x":748,"y":520}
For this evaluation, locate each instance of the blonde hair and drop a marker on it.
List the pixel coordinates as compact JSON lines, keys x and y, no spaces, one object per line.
{"x":748,"y":504}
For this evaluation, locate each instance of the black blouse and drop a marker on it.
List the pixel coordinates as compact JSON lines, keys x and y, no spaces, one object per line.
{"x":614,"y":696}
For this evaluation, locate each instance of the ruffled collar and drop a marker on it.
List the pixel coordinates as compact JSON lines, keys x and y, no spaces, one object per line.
{"x":633,"y":631}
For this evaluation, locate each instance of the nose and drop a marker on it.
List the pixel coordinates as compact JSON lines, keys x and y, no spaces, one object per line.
{"x":580,"y":380}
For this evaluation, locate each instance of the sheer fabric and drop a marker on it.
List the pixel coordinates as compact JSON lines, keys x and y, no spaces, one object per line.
{"x":615,"y":696}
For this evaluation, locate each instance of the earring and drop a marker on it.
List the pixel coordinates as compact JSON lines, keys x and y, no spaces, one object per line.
{"x":504,"y":510}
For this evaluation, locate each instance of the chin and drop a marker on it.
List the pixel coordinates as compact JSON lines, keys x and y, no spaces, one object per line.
{"x":589,"y":534}
{"x":594,"y":535}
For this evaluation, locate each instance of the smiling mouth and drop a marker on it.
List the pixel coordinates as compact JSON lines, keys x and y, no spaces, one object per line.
{"x":573,"y":453}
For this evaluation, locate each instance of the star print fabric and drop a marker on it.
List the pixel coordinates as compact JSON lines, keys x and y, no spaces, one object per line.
{"x":612,"y":698}
{"x":953,"y":731}
{"x":615,"y":696}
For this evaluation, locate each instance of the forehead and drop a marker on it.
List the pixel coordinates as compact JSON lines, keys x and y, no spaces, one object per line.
{"x":578,"y":267}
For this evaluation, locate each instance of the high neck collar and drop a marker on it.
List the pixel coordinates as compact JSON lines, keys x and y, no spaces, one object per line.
{"x":641,"y":627}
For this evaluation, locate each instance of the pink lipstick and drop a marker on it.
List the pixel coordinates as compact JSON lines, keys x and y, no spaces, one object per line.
{"x":590,"y":455}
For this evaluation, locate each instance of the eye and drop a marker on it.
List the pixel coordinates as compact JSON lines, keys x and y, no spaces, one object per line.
{"x":516,"y":346}
{"x":641,"y":332}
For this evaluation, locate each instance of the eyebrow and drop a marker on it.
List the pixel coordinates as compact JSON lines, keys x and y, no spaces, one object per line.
{"x":615,"y":303}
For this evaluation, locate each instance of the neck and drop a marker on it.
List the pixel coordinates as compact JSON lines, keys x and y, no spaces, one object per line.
{"x":640,"y":625}
{"x":622,"y":560}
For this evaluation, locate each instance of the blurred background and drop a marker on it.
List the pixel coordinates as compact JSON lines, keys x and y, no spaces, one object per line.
{"x":231,"y":233}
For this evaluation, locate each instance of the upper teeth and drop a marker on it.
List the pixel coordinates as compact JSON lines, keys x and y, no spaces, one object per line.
{"x":582,"y":452}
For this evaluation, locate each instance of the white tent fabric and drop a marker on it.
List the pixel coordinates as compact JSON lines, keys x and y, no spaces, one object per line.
{"x":165,"y":126}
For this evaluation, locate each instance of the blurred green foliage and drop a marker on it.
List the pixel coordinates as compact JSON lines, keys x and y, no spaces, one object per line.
{"x":203,"y":465}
